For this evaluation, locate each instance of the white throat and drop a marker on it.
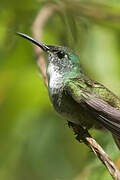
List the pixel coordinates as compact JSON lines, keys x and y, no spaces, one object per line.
{"x":55,"y":78}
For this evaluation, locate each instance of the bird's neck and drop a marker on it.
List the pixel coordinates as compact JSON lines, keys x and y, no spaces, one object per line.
{"x":57,"y":79}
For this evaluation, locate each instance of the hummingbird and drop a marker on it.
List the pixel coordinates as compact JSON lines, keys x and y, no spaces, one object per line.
{"x":75,"y":96}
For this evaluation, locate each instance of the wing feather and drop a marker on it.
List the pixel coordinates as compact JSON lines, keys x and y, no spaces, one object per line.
{"x":105,"y":114}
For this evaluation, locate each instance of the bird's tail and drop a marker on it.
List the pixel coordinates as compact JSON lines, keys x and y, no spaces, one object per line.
{"x":117,"y":140}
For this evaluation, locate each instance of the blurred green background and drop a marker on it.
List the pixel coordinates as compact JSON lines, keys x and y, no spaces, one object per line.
{"x":35,"y":143}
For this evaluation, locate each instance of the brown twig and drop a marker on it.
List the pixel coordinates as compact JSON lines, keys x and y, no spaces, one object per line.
{"x":45,"y":13}
{"x":37,"y":30}
{"x":82,"y":134}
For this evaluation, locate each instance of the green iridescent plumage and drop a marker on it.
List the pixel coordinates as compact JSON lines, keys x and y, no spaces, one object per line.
{"x":75,"y":96}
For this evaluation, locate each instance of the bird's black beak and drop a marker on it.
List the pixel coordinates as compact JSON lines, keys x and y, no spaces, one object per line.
{"x":41,"y":45}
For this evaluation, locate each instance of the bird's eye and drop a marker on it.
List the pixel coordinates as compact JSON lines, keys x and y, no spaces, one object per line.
{"x":60,"y":54}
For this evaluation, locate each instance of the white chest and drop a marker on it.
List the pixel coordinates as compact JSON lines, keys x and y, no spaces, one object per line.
{"x":55,"y":77}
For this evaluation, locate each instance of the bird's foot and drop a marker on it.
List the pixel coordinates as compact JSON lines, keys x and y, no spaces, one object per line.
{"x":80,"y":132}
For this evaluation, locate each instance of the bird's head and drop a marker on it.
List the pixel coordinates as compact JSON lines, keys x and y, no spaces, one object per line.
{"x":60,"y":59}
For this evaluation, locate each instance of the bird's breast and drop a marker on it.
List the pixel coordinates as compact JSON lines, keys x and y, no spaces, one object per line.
{"x":55,"y":78}
{"x":70,"y":110}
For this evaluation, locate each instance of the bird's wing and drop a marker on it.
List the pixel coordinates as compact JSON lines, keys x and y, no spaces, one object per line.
{"x":105,"y":114}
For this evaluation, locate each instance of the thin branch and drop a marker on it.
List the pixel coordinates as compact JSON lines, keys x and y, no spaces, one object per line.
{"x":82,"y":134}
{"x":44,"y":14}
{"x":37,"y":30}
